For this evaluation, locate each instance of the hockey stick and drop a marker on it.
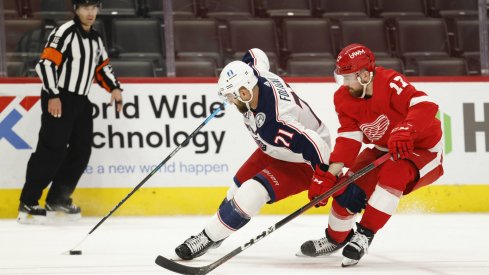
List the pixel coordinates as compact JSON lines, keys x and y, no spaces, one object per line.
{"x":184,"y":269}
{"x":184,"y":143}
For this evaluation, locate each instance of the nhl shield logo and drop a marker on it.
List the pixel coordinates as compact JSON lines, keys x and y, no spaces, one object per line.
{"x":260,"y":119}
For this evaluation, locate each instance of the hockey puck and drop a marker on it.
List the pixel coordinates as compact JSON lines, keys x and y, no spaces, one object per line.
{"x":75,"y":252}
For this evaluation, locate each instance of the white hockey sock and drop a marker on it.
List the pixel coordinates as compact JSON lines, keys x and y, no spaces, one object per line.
{"x":234,"y":214}
{"x":339,"y":223}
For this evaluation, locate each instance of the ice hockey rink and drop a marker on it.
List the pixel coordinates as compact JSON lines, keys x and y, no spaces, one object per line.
{"x":409,"y":244}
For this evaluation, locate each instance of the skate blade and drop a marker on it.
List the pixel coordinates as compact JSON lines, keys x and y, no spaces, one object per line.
{"x":62,"y":216}
{"x":346,"y":262}
{"x":302,"y":255}
{"x":174,"y":257}
{"x":24,"y":218}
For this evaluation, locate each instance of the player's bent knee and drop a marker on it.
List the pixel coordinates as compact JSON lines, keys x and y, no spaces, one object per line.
{"x":251,"y":197}
{"x":247,"y":202}
{"x":397,"y":174}
{"x":231,"y":191}
{"x":338,"y":209}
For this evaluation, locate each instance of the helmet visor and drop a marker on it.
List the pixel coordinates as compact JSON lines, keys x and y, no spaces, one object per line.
{"x":345,"y":79}
{"x":227,"y":95}
{"x":230,"y":98}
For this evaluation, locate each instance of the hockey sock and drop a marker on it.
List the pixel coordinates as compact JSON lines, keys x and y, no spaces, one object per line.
{"x":237,"y":212}
{"x":340,"y":222}
{"x":232,"y":216}
{"x":381,"y":206}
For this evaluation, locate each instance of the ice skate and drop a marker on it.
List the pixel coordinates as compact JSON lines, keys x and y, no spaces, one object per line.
{"x":66,"y":207}
{"x":196,"y":246}
{"x":357,"y":247}
{"x":322,"y":247}
{"x":31,"y":214}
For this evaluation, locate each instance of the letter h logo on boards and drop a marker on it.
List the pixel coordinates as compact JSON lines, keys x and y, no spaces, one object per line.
{"x":7,"y":122}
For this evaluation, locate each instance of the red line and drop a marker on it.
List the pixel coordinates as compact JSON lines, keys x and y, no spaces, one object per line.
{"x":410,"y":78}
{"x":449,"y":78}
{"x":131,"y":80}
{"x":19,"y":80}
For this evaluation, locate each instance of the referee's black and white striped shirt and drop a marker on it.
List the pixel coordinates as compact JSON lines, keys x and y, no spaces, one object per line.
{"x":72,"y":58}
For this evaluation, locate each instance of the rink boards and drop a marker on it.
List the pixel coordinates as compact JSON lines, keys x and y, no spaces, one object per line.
{"x":159,"y":114}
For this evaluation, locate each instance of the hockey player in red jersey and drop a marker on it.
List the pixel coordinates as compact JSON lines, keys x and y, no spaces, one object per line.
{"x":380,"y":107}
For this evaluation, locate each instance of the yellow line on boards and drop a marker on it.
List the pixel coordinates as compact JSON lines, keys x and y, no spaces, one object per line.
{"x":205,"y":200}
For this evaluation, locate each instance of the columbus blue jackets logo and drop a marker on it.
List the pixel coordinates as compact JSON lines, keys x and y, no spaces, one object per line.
{"x":260,"y":119}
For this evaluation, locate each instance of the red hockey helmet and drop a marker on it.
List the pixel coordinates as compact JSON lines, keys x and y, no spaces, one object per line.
{"x":353,"y":58}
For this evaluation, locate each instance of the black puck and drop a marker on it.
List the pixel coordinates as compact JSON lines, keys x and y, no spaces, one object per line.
{"x":75,"y":252}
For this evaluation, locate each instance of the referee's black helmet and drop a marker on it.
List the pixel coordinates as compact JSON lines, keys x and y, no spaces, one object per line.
{"x":76,"y":3}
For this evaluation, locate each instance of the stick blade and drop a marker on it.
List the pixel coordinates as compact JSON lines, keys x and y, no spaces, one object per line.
{"x":179,"y":268}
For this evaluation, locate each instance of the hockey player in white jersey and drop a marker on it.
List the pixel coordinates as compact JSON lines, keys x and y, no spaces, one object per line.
{"x":258,"y":60}
{"x":292,"y":143}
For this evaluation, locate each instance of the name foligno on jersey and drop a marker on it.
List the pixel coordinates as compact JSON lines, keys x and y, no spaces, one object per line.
{"x":280,"y":89}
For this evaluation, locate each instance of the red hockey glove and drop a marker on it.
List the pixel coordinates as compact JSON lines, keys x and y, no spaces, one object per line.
{"x":401,"y":141}
{"x":321,"y":182}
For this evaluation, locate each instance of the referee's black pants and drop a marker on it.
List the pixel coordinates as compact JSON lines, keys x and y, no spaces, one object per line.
{"x":62,"y":152}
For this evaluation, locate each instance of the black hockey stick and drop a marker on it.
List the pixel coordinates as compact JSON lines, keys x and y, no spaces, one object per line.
{"x":184,"y":143}
{"x":184,"y":269}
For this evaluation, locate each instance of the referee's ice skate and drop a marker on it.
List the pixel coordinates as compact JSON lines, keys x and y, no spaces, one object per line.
{"x":65,"y":207}
{"x":31,"y":214}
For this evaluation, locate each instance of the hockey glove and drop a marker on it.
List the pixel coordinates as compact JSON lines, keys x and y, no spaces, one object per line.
{"x":401,"y":141}
{"x":321,"y":182}
{"x":353,"y":199}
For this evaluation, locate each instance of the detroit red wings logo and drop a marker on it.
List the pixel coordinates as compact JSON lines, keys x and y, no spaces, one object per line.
{"x":375,"y":130}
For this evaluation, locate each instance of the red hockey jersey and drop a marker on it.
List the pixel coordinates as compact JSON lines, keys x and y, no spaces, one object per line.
{"x":371,"y":120}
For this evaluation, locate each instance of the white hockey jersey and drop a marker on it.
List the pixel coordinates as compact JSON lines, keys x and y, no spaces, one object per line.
{"x":284,"y":126}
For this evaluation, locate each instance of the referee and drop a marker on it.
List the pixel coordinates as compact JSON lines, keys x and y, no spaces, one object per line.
{"x":73,"y":56}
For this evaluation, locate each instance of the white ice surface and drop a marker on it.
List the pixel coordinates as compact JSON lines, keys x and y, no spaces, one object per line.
{"x":438,"y":244}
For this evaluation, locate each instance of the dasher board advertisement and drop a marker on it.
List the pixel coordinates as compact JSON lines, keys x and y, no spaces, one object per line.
{"x":157,"y":117}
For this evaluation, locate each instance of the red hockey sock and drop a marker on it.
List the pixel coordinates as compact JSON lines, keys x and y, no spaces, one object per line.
{"x":338,"y":236}
{"x":374,"y":219}
{"x":341,"y":214}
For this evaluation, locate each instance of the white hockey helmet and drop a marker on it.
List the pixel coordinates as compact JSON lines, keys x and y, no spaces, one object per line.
{"x":235,"y":75}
